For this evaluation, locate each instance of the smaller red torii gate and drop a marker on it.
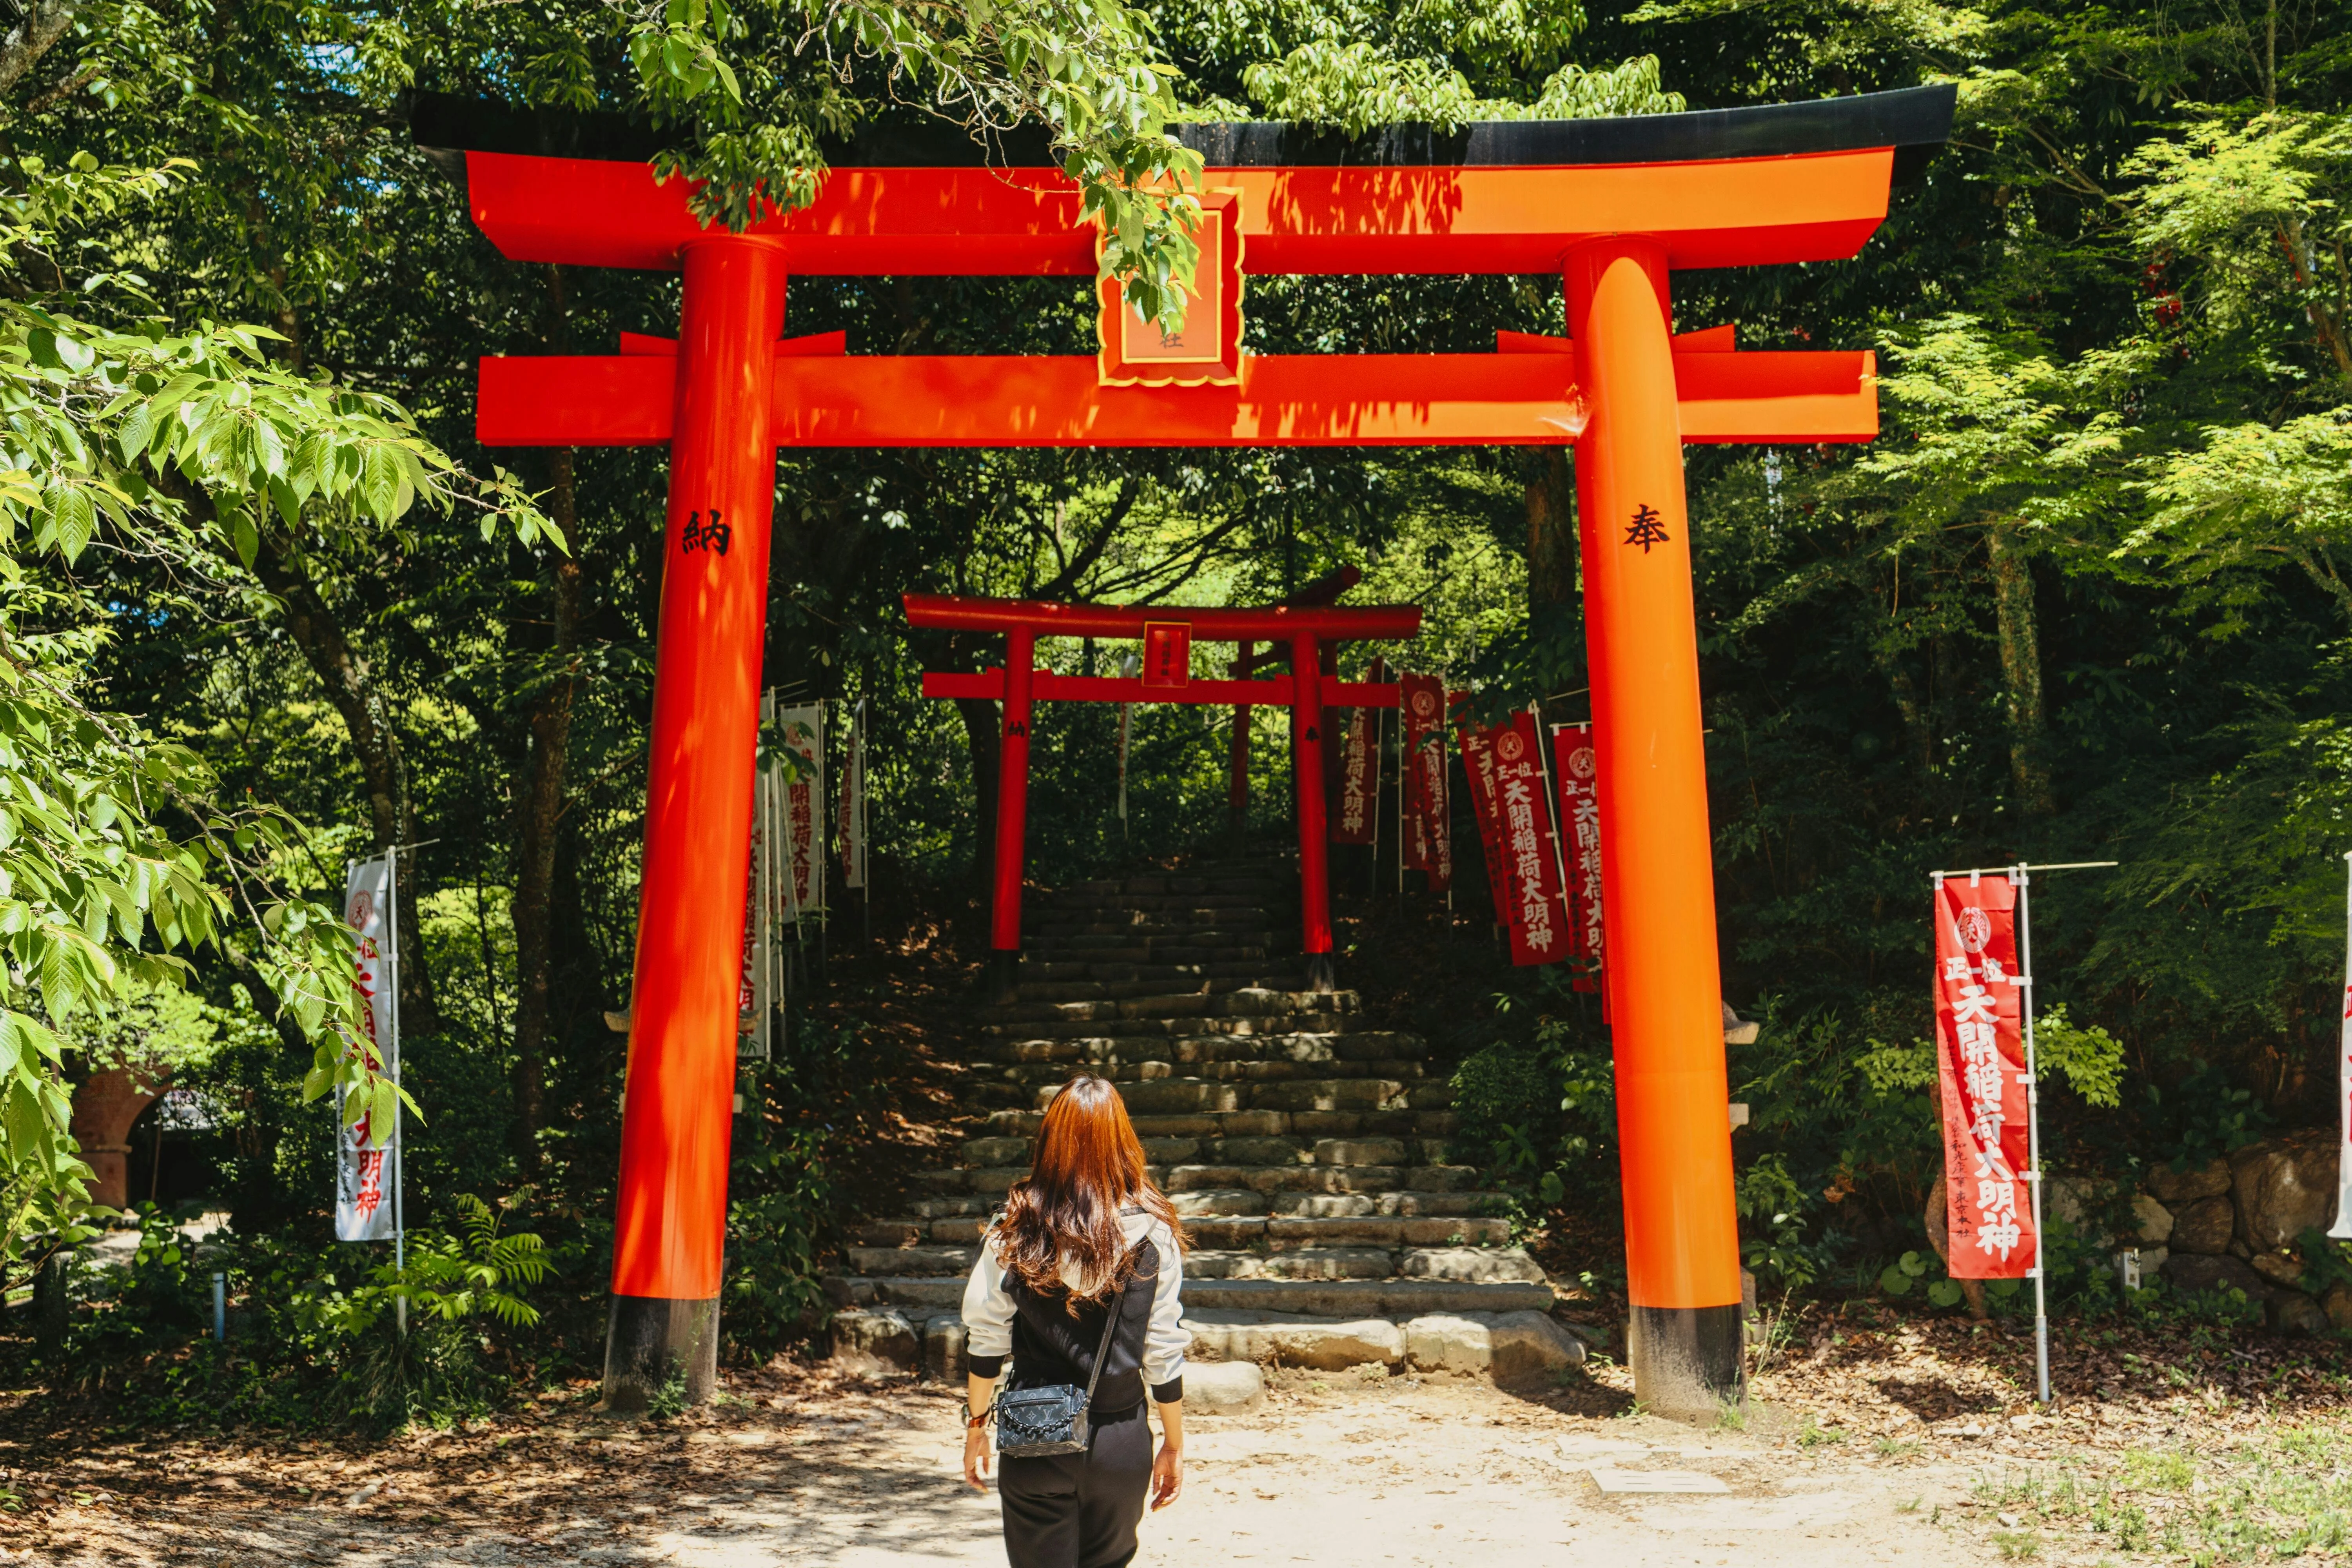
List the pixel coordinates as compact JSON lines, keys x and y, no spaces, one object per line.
{"x":1167,"y":633}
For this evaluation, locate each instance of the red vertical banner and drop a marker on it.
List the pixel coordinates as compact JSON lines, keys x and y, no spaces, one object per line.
{"x":1980,"y":1065}
{"x":1538,"y":923}
{"x":1359,"y":771}
{"x":1428,"y":841}
{"x":1577,"y":767}
{"x":1478,"y":766}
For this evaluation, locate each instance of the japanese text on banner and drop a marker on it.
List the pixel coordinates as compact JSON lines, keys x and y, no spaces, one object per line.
{"x":1981,"y":1079}
{"x":1428,"y":839}
{"x":1478,"y":766}
{"x":802,"y":732}
{"x":1538,"y":924}
{"x":1359,"y":764}
{"x":368,"y":1156}
{"x":1577,"y":767}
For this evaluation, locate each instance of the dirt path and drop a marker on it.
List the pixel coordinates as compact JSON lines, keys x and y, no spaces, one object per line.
{"x":828,"y":1476}
{"x":1876,"y":1439}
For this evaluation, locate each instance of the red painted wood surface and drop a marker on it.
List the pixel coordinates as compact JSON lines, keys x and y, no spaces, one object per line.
{"x":1016,"y":684}
{"x":967,"y":222}
{"x":1264,"y":623}
{"x":1682,"y":1235}
{"x":676,"y":1120}
{"x":1046,"y":687}
{"x":1343,"y":400}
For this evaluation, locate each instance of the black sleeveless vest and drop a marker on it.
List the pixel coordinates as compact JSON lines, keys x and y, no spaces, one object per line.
{"x":1051,"y":1345}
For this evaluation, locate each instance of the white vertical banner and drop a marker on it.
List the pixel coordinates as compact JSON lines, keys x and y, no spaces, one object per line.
{"x":853,"y":801}
{"x":801,"y":732}
{"x":2342,"y":1229}
{"x":1130,"y":664}
{"x":367,"y":1165}
{"x":761,"y":888}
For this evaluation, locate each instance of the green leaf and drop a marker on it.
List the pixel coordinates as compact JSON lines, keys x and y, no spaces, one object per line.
{"x":243,"y":536}
{"x":1894,"y":1281}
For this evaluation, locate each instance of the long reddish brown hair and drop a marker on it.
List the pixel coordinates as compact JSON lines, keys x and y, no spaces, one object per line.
{"x":1090,"y":1164}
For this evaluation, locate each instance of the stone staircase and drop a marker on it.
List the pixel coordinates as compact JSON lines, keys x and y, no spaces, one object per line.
{"x":1304,"y":1145}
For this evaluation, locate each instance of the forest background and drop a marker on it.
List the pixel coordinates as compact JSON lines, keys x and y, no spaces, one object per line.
{"x":268,"y":606}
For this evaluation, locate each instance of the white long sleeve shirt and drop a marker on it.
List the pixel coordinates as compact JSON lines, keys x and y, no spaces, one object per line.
{"x":988,"y":1309}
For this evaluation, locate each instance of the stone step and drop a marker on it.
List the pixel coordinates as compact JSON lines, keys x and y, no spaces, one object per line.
{"x":1426,"y":1125}
{"x":1326,"y":1021}
{"x":1389,"y":1298}
{"x":1130,"y":947}
{"x":1181,"y":1095}
{"x":1200,"y":1051}
{"x":1273,"y":1151}
{"x":1050,"y":926}
{"x":1504,"y":1346}
{"x":1244,"y":1202}
{"x":992,"y":1181}
{"x":1151,"y":1070}
{"x":1160,"y":971}
{"x":1084,"y":901}
{"x":926,"y":1261}
{"x":1292,"y":1233}
{"x":1167,"y":979}
{"x":1250,"y":880}
{"x":1241,"y":1002}
{"x":1470,"y":1265}
{"x":1206,"y":1213}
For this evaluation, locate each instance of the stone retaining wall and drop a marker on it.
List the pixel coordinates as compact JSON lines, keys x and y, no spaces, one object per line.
{"x":2235,"y":1221}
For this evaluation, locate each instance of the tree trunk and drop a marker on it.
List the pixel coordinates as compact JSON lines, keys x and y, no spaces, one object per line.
{"x":34,"y":33}
{"x":1918,"y":733}
{"x":540,"y":815}
{"x":1551,"y":532}
{"x":2021,"y":666}
{"x":542,"y":819}
{"x":391,"y":815}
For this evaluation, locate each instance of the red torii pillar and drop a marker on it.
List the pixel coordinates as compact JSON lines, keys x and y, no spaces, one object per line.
{"x":1682,"y":1232}
{"x":669,"y":1232}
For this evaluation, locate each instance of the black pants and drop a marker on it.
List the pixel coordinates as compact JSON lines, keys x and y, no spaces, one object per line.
{"x":1079,"y":1510}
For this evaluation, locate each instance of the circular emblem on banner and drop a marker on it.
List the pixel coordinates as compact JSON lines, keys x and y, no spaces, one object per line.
{"x":1582,"y":762}
{"x":1976,"y":929}
{"x":1424,"y":703}
{"x":1510,"y":747}
{"x":363,"y":909}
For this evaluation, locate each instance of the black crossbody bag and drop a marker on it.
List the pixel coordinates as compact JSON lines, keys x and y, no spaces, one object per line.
{"x":1034,"y":1422}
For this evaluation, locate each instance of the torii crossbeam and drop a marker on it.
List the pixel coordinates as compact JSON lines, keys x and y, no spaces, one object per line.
{"x":1613,"y":206}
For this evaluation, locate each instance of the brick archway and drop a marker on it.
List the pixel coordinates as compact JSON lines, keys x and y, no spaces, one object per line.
{"x":105,"y":1107}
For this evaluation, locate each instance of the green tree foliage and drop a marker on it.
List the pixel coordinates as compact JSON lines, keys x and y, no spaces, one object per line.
{"x":2082,"y":600}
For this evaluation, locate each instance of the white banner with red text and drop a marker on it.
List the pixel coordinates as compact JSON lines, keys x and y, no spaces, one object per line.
{"x":367,"y":1165}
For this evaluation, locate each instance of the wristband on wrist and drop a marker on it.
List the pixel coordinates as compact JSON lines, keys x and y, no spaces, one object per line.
{"x":972,"y":1423}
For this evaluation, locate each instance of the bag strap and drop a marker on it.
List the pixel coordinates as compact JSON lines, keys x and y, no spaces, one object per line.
{"x":1102,"y":1351}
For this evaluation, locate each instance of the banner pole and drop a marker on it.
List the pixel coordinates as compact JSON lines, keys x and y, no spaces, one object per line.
{"x":2025,"y":982}
{"x":399,"y":1234}
{"x":2342,"y":1229}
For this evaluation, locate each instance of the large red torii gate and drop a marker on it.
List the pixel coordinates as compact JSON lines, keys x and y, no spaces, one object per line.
{"x":1612,"y":205}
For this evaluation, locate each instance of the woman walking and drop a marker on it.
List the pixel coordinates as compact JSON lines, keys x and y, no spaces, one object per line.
{"x":1078,"y":1283}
